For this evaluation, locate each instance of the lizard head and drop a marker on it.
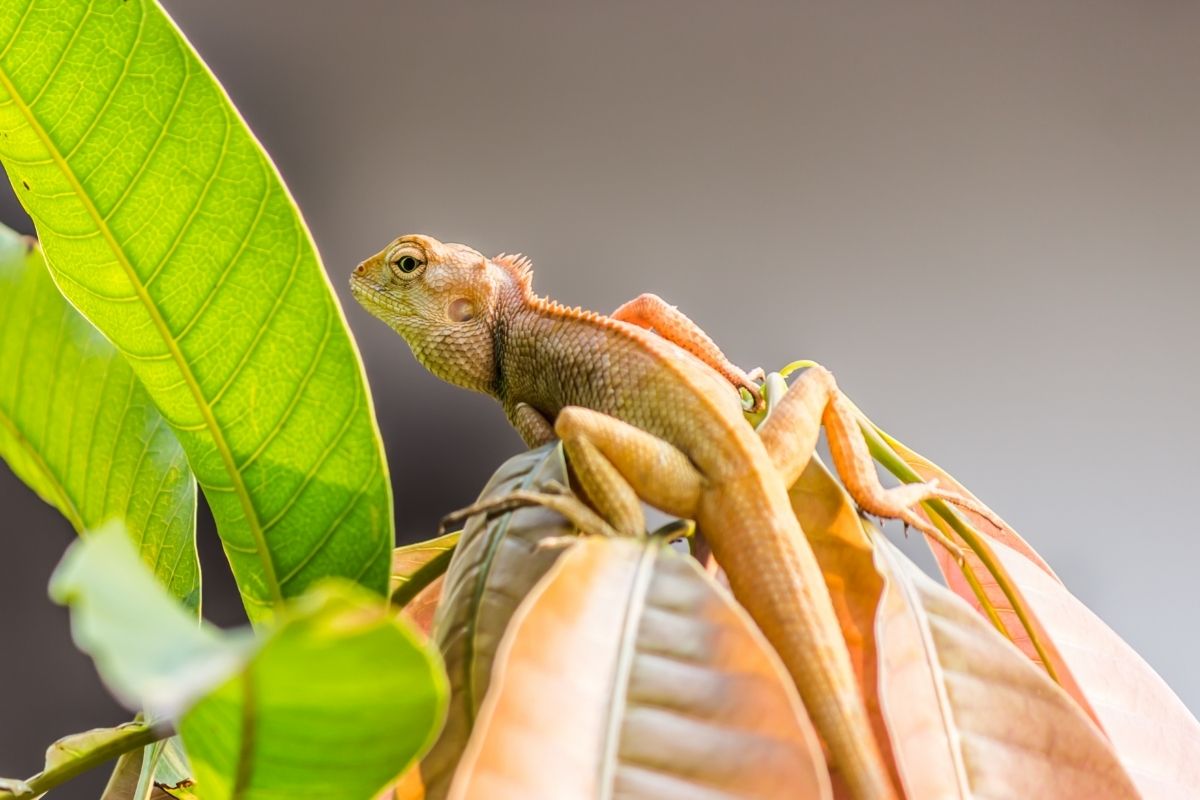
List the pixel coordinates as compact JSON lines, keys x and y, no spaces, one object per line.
{"x":444,"y":300}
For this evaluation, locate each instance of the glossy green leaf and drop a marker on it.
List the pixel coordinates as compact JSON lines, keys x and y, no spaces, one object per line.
{"x":335,"y":703}
{"x":334,"y":700}
{"x":76,"y":425}
{"x":166,"y":224}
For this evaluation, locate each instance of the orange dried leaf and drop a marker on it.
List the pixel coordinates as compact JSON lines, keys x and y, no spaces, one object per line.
{"x":969,"y":715}
{"x":628,"y":672}
{"x":844,"y":552}
{"x":1155,"y":736}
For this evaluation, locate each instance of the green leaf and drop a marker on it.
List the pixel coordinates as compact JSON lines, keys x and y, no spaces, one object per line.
{"x":335,"y":704}
{"x":148,"y":651}
{"x":334,"y":700}
{"x":166,"y":224}
{"x":76,"y":425}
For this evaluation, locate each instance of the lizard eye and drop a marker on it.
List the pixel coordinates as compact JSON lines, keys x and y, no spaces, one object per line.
{"x":406,"y":261}
{"x":407,"y":264}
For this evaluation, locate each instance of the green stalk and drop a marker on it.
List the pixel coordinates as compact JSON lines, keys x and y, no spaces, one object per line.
{"x":132,"y":738}
{"x":942,"y":515}
{"x":428,"y":572}
{"x":882,"y":451}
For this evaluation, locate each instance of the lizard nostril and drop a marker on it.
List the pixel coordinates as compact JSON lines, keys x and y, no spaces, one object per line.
{"x":360,"y":269}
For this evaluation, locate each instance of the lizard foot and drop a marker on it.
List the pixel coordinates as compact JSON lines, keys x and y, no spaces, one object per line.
{"x":749,"y":389}
{"x":553,"y":495}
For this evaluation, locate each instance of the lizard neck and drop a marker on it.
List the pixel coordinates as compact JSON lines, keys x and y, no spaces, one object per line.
{"x":514,"y":322}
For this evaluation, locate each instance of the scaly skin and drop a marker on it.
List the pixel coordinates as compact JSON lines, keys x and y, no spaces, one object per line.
{"x":475,"y":322}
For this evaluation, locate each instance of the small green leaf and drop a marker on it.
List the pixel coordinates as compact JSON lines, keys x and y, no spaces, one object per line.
{"x":148,"y":651}
{"x":335,"y":703}
{"x":76,"y":425}
{"x":334,"y":700}
{"x":166,"y":224}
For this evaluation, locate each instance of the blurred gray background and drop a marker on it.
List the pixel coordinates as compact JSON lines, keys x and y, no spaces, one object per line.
{"x":982,"y":217}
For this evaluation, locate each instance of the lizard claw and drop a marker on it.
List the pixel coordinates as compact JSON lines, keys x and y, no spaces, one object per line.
{"x":752,"y":399}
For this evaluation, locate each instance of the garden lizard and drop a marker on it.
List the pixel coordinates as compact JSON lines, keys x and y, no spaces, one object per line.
{"x":645,"y":405}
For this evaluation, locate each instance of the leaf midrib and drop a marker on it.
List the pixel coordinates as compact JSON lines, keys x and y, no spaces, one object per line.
{"x":202,"y":405}
{"x":627,"y":649}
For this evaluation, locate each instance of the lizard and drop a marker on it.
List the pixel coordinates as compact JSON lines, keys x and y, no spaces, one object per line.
{"x":648,"y":408}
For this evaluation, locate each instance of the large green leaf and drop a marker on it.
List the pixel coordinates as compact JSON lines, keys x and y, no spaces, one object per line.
{"x":76,"y":425}
{"x":165,"y":223}
{"x":333,"y":700}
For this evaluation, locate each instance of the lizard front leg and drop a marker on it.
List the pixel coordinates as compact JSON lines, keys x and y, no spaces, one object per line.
{"x":652,"y":312}
{"x":790,"y":435}
{"x":617,"y":465}
{"x":532,"y":426}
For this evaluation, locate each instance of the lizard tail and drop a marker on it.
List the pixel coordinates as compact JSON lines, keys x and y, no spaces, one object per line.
{"x":776,"y":577}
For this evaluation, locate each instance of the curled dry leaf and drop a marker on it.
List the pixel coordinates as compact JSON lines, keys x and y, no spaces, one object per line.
{"x":496,"y":563}
{"x":628,"y":672}
{"x":1155,"y":736}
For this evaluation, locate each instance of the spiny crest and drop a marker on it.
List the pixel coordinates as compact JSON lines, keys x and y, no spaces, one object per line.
{"x":517,"y":265}
{"x":546,"y":305}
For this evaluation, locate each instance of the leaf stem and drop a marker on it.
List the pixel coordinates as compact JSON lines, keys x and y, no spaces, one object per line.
{"x":881,"y":449}
{"x":131,"y":738}
{"x":428,"y":572}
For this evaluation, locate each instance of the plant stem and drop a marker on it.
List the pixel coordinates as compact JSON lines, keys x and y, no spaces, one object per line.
{"x":429,"y":572}
{"x":893,"y":463}
{"x":132,"y":738}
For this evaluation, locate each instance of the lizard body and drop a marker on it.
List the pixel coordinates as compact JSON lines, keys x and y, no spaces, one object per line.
{"x":644,"y":417}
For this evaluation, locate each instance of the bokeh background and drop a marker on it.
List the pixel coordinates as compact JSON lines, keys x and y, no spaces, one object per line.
{"x":982,"y":217}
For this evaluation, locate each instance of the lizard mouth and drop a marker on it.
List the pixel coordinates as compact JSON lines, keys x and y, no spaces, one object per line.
{"x":374,"y":299}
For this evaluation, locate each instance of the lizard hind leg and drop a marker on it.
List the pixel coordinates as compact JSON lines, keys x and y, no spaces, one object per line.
{"x":790,"y":435}
{"x":617,"y":465}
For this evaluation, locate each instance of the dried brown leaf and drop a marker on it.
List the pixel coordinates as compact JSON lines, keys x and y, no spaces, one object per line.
{"x":628,"y":672}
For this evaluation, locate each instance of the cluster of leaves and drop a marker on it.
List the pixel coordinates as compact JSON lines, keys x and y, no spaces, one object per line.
{"x":174,"y":327}
{"x":211,"y":351}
